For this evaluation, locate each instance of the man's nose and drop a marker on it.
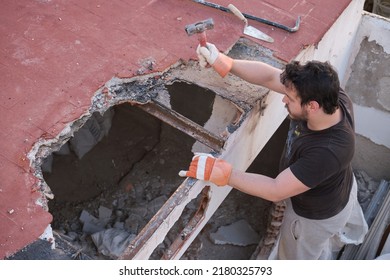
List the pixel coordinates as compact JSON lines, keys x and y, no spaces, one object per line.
{"x":285,"y":99}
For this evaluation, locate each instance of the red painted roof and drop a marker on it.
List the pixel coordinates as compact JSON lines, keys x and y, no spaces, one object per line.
{"x":54,"y":55}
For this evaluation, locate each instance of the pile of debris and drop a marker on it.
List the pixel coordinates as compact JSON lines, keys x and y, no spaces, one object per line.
{"x":103,"y":226}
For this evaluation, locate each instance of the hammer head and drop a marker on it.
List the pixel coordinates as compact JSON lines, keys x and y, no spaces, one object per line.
{"x":199,"y":27}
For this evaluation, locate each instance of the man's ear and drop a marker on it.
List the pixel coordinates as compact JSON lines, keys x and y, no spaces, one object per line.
{"x":313,"y":106}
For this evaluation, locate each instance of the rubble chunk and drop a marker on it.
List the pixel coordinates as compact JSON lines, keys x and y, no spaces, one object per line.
{"x":239,"y":233}
{"x":112,"y":242}
{"x":90,"y":223}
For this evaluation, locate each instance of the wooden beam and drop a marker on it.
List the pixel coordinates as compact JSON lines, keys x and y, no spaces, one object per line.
{"x":184,"y":124}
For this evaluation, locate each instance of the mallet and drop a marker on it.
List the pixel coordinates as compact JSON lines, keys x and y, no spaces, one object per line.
{"x":200,"y":28}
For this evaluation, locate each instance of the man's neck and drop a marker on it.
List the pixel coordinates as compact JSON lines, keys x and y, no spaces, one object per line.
{"x":323,"y":121}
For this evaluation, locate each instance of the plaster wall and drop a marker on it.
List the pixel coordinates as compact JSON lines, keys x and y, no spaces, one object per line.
{"x":338,"y":42}
{"x":368,"y":83}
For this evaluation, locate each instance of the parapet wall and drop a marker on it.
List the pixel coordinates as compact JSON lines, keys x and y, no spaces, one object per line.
{"x":368,"y":84}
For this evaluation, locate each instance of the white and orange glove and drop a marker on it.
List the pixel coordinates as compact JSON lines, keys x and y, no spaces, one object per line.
{"x":221,"y":63}
{"x":208,"y":168}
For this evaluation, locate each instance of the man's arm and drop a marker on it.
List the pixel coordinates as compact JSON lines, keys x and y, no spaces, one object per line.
{"x":259,"y":73}
{"x":255,"y":72}
{"x":283,"y":186}
{"x":208,"y":168}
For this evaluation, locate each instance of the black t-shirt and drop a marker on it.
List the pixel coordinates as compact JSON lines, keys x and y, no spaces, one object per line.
{"x":322,"y":161}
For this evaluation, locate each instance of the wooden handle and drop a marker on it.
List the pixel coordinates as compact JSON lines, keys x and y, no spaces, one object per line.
{"x":202,"y":39}
{"x":237,"y":12}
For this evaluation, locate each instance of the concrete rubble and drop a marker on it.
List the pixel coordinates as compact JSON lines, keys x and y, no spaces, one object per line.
{"x":367,"y":186}
{"x":112,"y":242}
{"x":239,"y":233}
{"x":92,"y":224}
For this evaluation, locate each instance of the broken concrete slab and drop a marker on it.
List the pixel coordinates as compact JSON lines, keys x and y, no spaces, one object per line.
{"x":104,"y":215}
{"x":239,"y":233}
{"x":90,"y":223}
{"x":112,"y":242}
{"x":119,"y":225}
{"x":93,"y":131}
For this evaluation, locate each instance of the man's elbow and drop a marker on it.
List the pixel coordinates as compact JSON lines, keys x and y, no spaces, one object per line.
{"x":277,"y":198}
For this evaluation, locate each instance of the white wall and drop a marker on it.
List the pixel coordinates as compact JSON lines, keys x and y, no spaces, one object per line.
{"x":337,"y":44}
{"x":373,"y":123}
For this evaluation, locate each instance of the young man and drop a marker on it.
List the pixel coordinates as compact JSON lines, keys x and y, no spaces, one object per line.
{"x":315,"y":178}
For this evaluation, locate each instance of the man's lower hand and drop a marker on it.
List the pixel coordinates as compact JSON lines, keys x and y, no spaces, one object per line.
{"x":208,"y":168}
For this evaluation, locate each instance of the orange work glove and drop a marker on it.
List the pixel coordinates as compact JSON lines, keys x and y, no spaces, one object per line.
{"x":221,"y":63}
{"x":208,"y":168}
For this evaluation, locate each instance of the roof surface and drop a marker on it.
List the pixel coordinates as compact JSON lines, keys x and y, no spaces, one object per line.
{"x":55,"y":54}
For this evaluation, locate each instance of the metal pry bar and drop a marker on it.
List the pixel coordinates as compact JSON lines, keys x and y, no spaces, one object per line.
{"x":251,"y":17}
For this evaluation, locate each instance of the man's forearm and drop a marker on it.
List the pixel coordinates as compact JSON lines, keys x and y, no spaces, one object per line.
{"x":283,"y":186}
{"x":254,"y":184}
{"x":259,"y":73}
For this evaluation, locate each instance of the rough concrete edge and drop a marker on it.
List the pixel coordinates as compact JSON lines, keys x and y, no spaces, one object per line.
{"x":376,"y":34}
{"x":43,"y":147}
{"x":101,"y":100}
{"x":364,"y":30}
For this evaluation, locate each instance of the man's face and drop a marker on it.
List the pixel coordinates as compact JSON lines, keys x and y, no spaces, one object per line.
{"x":293,"y":105}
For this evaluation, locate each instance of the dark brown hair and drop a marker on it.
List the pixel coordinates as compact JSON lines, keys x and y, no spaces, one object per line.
{"x":314,"y":81}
